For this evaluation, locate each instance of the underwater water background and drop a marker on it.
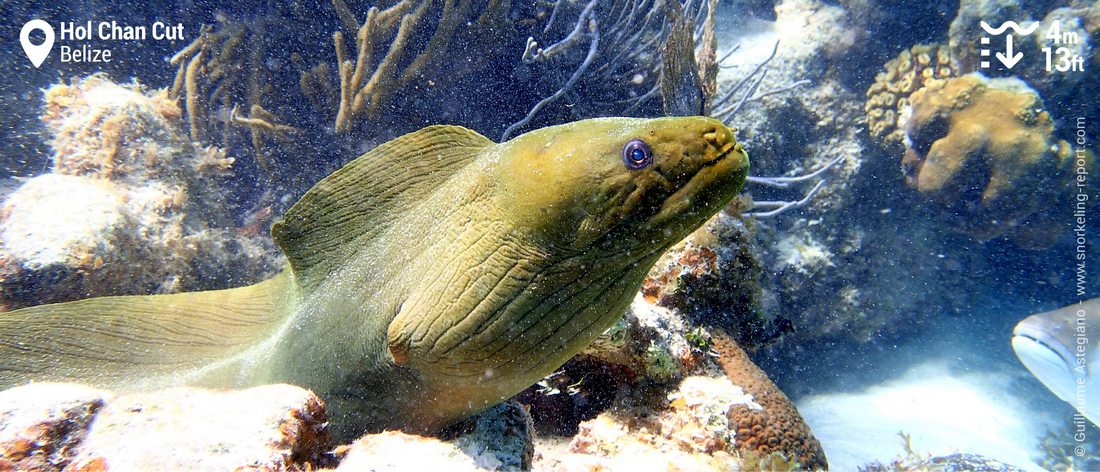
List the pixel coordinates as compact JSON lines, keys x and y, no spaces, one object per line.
{"x":883,"y":304}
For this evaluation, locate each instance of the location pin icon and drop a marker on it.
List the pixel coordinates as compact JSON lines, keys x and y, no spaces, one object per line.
{"x":36,"y":53}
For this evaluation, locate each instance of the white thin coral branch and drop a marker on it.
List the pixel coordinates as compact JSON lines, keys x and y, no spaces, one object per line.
{"x":782,"y":206}
{"x":775,"y":207}
{"x":784,"y":182}
{"x":594,"y":32}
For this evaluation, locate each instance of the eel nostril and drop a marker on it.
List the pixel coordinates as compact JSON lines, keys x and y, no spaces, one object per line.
{"x":716,"y":137}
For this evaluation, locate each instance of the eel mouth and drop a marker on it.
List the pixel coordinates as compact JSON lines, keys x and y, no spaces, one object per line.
{"x":715,"y":181}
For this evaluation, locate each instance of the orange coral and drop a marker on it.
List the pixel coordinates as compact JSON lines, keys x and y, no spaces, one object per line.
{"x":984,"y":151}
{"x":778,"y":427}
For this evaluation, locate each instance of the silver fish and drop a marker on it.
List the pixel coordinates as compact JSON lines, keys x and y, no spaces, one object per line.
{"x":1060,"y":348}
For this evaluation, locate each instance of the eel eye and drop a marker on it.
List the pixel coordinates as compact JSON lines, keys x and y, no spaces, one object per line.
{"x":637,"y":154}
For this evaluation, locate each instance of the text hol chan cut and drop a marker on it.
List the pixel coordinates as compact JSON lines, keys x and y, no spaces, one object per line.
{"x":113,"y":31}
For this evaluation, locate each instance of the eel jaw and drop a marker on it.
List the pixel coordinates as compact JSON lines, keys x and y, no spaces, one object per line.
{"x":684,"y":202}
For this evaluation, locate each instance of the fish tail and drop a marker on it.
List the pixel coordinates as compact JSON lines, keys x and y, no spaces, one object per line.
{"x":133,"y":342}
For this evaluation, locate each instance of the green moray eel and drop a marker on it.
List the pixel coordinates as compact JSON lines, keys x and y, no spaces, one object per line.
{"x":429,"y":279}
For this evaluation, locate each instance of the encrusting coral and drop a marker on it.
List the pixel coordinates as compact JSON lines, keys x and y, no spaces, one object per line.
{"x":776,"y":427}
{"x":984,"y":150}
{"x":888,"y":98}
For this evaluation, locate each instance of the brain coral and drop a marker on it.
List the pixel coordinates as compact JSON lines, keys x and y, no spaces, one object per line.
{"x":984,"y":151}
{"x":888,"y":97}
{"x":778,"y":427}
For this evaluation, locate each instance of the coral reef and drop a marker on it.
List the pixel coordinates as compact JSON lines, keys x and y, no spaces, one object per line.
{"x":691,"y":433}
{"x":1064,"y":83}
{"x":887,"y":104}
{"x":817,"y":121}
{"x":821,"y":267}
{"x":985,"y":152}
{"x":651,"y":341}
{"x":825,"y":268}
{"x":146,"y":213}
{"x":660,"y":390}
{"x":696,"y":429}
{"x":712,"y":277}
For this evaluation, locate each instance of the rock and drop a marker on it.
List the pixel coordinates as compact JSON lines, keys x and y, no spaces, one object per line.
{"x":692,"y":411}
{"x":696,"y":429}
{"x":394,"y":451}
{"x":501,"y":438}
{"x":713,"y":278}
{"x":271,"y":427}
{"x":72,"y":427}
{"x":609,"y":443}
{"x":52,"y":427}
{"x":122,"y":133}
{"x":42,"y":425}
{"x":31,"y":231}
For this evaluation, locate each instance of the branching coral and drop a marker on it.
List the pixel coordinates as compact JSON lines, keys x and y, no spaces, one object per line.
{"x":263,"y":125}
{"x":217,"y":69}
{"x":610,"y":60}
{"x":369,"y":83}
{"x":984,"y":151}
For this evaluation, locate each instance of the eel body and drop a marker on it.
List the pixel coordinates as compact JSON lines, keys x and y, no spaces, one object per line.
{"x":429,"y":279}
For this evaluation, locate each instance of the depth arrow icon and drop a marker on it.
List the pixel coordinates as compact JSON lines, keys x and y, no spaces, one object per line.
{"x":1007,"y":58}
